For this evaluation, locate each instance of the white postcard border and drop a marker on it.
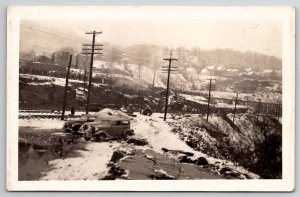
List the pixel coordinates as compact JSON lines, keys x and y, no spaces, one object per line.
{"x":284,"y":14}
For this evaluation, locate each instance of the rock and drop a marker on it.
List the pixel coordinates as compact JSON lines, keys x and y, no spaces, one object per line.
{"x":114,"y":173}
{"x":191,"y":143}
{"x":225,"y":170}
{"x":185,"y":159}
{"x":201,"y":161}
{"x":117,"y":155}
{"x":178,"y":152}
{"x":137,"y":141}
{"x":160,"y":175}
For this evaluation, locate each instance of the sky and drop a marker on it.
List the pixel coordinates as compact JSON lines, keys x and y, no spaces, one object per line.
{"x":241,"y":35}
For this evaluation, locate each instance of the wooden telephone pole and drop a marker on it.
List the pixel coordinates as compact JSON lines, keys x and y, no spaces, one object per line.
{"x":66,"y":89}
{"x":234,"y":111}
{"x":168,"y":80}
{"x":84,"y":81}
{"x":91,"y":49}
{"x":154,"y":73}
{"x":209,"y":97}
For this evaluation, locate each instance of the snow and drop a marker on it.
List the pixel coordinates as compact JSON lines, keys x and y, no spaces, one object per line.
{"x":190,"y":69}
{"x":164,"y":173}
{"x":76,"y":71}
{"x":268,"y":71}
{"x":53,"y":80}
{"x":91,"y":162}
{"x":195,"y":98}
{"x":37,"y":113}
{"x":225,"y":105}
{"x":42,"y":123}
{"x":80,"y":93}
{"x":158,"y":133}
{"x":99,"y":64}
{"x":111,"y":112}
{"x":90,"y":165}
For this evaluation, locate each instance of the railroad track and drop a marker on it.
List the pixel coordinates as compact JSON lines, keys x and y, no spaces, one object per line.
{"x":45,"y":116}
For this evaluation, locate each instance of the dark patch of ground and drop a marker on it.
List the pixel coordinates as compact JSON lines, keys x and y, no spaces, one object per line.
{"x":150,"y":165}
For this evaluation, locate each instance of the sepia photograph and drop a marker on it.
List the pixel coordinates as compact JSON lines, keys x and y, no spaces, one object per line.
{"x":150,"y":93}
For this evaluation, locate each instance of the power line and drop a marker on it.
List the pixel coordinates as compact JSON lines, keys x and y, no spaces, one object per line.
{"x":130,"y":55}
{"x":55,"y":35}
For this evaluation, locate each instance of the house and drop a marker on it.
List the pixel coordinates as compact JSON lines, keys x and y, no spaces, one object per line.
{"x":267,"y":73}
{"x":82,"y":61}
{"x":213,"y":70}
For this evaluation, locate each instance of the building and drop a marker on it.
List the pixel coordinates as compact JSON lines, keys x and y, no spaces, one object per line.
{"x":44,"y":59}
{"x":213,"y":70}
{"x":82,"y":61}
{"x":61,"y":58}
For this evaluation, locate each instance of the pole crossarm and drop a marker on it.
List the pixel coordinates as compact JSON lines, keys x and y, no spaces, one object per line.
{"x":91,"y":53}
{"x":89,"y":45}
{"x":170,"y":59}
{"x":93,"y":32}
{"x":92,"y":49}
{"x":166,"y":70}
{"x":174,"y":67}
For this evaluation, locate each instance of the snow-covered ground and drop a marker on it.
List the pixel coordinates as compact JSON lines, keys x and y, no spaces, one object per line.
{"x":91,"y":162}
{"x":195,"y":98}
{"x":53,"y":80}
{"x":42,"y":123}
{"x":159,"y":135}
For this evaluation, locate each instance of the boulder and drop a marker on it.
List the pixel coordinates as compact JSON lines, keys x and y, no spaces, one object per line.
{"x":117,"y":155}
{"x":137,"y":141}
{"x":201,"y":161}
{"x":185,"y":159}
{"x":178,"y":152}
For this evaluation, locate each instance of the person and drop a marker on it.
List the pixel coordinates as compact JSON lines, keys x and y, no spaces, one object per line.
{"x":72,"y":111}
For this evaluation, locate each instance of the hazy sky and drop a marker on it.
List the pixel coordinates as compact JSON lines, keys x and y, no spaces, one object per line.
{"x":258,"y":36}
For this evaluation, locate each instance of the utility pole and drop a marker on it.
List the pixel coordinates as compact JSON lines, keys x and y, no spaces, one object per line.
{"x":236,"y":99}
{"x":139,"y":88}
{"x":258,"y":108}
{"x":278,"y":111}
{"x":153,"y":83}
{"x":66,"y":89}
{"x":84,"y":81}
{"x":209,"y":97}
{"x":91,"y":51}
{"x":168,"y":80}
